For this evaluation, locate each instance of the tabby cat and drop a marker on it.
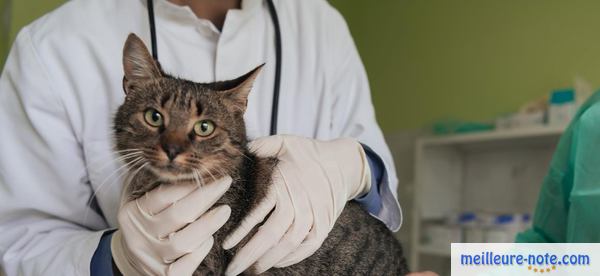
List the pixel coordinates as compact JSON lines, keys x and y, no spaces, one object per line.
{"x":203,"y":124}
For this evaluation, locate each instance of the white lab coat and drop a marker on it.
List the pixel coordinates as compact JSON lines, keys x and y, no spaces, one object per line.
{"x":62,"y":83}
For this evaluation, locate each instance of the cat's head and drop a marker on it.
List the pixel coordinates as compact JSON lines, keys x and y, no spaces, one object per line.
{"x":175,"y":128}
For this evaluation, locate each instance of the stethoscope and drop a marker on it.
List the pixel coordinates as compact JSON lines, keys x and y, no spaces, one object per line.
{"x":275,"y":19}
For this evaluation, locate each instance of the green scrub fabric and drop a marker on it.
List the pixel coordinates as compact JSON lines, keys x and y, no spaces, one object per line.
{"x":568,"y":208}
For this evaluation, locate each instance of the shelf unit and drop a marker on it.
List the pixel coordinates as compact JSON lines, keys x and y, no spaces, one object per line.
{"x":498,"y":171}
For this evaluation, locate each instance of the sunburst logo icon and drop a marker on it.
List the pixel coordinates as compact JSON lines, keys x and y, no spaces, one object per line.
{"x":541,"y":269}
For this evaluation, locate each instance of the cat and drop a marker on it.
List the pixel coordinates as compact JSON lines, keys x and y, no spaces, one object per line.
{"x":216,"y":146}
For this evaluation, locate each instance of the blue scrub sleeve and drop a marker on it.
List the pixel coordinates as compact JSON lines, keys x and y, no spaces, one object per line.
{"x":102,"y":264}
{"x":371,"y":202}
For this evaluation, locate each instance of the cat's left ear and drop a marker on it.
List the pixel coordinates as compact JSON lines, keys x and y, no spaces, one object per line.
{"x":238,"y":95}
{"x":138,"y":64}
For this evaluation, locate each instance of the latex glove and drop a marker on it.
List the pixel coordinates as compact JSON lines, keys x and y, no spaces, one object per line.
{"x":168,"y":231}
{"x":311,"y":185}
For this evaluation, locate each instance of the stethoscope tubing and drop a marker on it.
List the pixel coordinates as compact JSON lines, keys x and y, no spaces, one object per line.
{"x":278,"y":53}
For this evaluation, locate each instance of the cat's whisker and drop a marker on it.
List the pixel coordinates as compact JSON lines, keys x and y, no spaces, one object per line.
{"x":111,"y":161}
{"x":144,"y":164}
{"x":94,"y":164}
{"x":153,"y":158}
{"x":191,"y":160}
{"x":241,"y":153}
{"x":132,"y":176}
{"x":108,"y":184}
{"x":202,"y":182}
{"x":125,"y":156}
{"x":98,"y":190}
{"x":132,"y":162}
{"x":125,"y":153}
{"x":145,"y":150}
{"x":209,"y":173}
{"x":196,"y":178}
{"x":125,"y":150}
{"x":223,"y":172}
{"x":122,"y":158}
{"x":201,"y":178}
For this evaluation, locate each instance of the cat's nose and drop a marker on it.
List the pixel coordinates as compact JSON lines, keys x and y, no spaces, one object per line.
{"x":172,"y":150}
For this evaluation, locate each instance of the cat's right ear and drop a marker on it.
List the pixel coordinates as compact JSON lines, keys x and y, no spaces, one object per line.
{"x":240,"y":88}
{"x":138,"y":64}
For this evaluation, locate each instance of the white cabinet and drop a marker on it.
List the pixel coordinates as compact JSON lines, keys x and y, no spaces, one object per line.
{"x":493,"y":172}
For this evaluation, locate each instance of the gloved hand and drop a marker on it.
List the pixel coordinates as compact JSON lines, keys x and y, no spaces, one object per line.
{"x":166,"y":231}
{"x":311,"y":185}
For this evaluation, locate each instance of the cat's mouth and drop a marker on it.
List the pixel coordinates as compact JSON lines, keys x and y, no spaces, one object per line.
{"x":172,"y":167}
{"x":169,"y":169}
{"x":172,"y":172}
{"x":180,"y":168}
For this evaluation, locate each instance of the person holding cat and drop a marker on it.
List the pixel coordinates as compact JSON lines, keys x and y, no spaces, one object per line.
{"x":60,"y":183}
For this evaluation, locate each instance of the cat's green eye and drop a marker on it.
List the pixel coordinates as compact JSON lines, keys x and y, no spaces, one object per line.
{"x":153,"y":117}
{"x":204,"y":128}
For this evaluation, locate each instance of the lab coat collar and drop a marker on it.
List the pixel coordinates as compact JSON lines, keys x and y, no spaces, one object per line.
{"x":185,"y":15}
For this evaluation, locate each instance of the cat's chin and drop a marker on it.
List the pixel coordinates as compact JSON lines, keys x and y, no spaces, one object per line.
{"x":171,"y":176}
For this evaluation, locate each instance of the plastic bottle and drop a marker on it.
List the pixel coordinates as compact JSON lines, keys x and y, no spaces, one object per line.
{"x":503,"y":229}
{"x":472,"y":231}
{"x":562,"y":107}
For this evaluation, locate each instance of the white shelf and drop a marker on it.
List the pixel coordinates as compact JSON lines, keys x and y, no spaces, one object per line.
{"x":496,"y":136}
{"x":492,"y":172}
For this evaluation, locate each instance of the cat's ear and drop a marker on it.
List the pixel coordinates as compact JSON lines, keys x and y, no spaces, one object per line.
{"x":138,"y":64}
{"x":238,"y":95}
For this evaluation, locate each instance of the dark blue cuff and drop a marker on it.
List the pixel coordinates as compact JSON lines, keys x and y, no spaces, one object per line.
{"x":371,"y":202}
{"x":101,"y":263}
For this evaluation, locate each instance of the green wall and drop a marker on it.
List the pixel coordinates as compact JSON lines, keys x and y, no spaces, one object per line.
{"x":462,"y":59}
{"x":25,"y":11}
{"x":470,"y":59}
{"x":4,"y":28}
{"x":20,"y":13}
